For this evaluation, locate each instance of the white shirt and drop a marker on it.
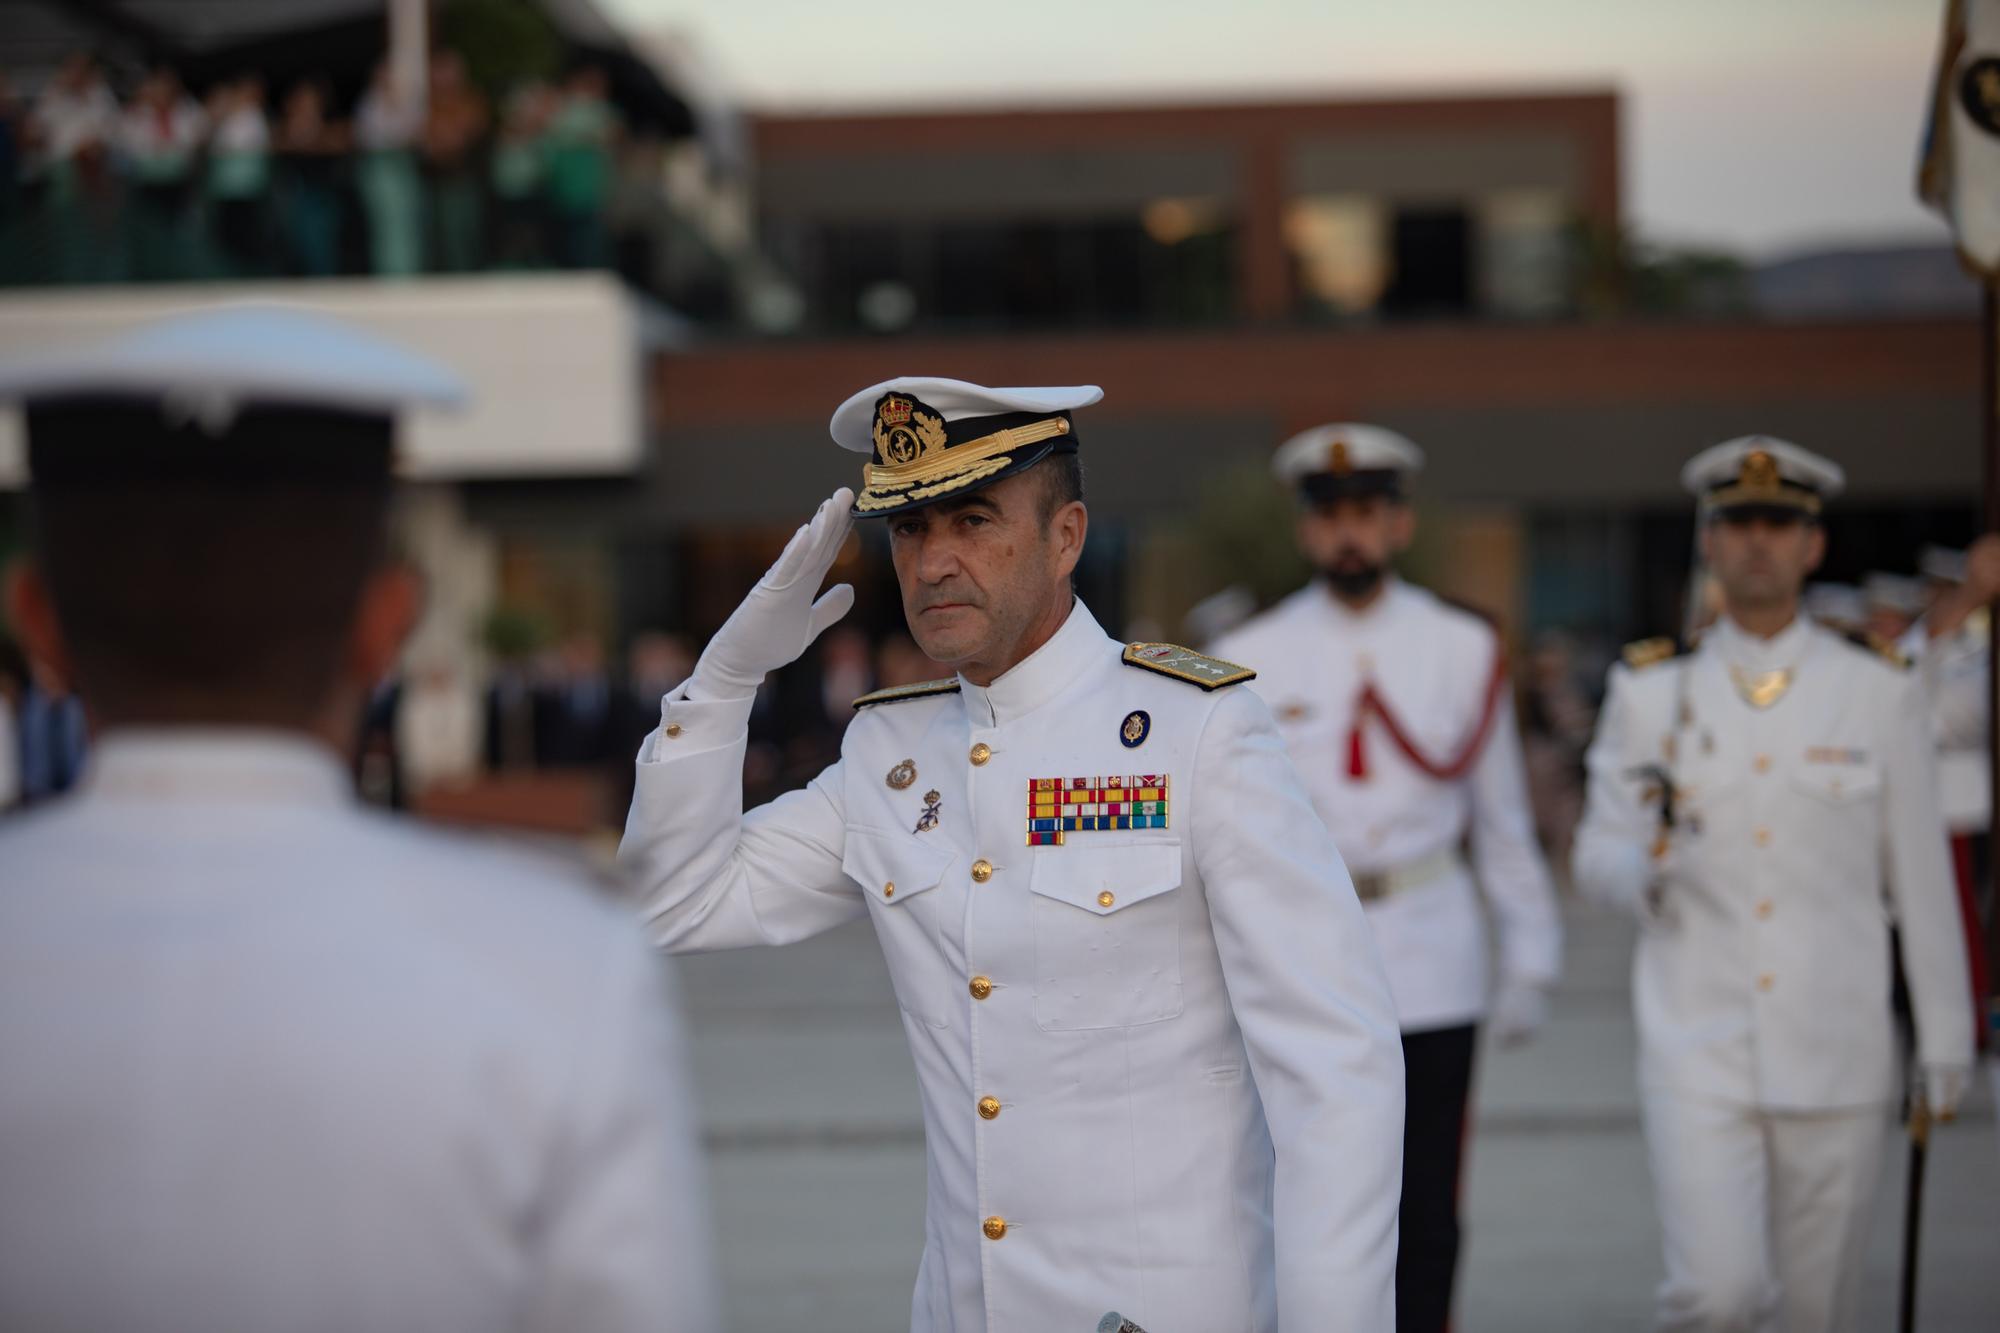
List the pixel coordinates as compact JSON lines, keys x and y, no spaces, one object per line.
{"x":271,"y":1062}
{"x":1803,"y":829}
{"x":1433,"y":665}
{"x":1192,"y":1056}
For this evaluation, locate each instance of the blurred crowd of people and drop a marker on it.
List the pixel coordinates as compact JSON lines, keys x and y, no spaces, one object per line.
{"x":249,"y":180}
{"x":570,"y":707}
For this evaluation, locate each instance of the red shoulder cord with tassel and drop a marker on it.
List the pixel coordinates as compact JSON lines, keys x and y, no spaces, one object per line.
{"x":1372,"y":703}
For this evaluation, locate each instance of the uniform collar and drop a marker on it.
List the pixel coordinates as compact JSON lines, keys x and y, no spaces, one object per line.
{"x":1739,"y":647}
{"x":1042,"y":674}
{"x":207,"y":763}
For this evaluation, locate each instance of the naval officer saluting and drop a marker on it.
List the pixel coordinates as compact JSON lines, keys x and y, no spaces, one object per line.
{"x":1767,"y":806}
{"x":1158,"y":1057}
{"x":1396,"y":709}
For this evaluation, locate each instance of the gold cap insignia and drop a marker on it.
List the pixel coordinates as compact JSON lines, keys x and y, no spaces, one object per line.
{"x":1758,"y":472}
{"x":1337,"y":461}
{"x":905,"y":432}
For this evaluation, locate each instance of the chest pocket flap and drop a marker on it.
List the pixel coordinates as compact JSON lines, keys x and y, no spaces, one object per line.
{"x":894,"y":868}
{"x":1105,"y":880}
{"x":1838,"y":783}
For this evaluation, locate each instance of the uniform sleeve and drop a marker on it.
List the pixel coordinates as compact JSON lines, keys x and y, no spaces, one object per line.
{"x":1611,"y":859}
{"x":1508,"y":861}
{"x":1317,"y":1019}
{"x":621,"y":1232}
{"x":1921,"y":884}
{"x":711,"y":876}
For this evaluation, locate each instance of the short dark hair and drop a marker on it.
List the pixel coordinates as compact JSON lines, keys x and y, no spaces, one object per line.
{"x":222,"y":591}
{"x":1062,"y":481}
{"x":188,"y":604}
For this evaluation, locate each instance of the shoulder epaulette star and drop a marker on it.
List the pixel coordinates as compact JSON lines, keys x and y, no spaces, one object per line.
{"x":1650,"y":652}
{"x":1883,"y":648}
{"x":1170,"y":659}
{"x":896,"y":694}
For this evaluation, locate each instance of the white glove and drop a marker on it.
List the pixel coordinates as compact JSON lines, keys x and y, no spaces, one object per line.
{"x":779,"y":619}
{"x":1944,"y":1088}
{"x":1519,"y":1010}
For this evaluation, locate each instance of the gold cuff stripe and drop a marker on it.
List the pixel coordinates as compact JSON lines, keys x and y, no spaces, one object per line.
{"x":886,"y":477}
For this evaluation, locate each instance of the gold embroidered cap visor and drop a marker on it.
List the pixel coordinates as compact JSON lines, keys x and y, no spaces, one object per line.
{"x":1761,"y":474}
{"x":931,"y":439}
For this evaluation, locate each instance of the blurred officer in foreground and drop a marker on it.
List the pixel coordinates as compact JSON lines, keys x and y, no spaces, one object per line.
{"x":1757,"y":803}
{"x":1396,"y":709}
{"x":271,"y":1061}
{"x":1157,"y":1054}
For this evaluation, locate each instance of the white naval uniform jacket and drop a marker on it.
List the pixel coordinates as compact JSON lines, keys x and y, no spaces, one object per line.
{"x":1432,"y":663}
{"x":271,"y":1061}
{"x":1803,"y":830}
{"x":1191,"y":1055}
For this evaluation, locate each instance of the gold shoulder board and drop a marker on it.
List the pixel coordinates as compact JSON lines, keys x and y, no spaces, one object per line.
{"x":1649,"y":652}
{"x":896,"y":694}
{"x":1170,"y":659}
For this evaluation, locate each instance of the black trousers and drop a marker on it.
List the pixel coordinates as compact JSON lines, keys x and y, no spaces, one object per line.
{"x":1437,"y":1071}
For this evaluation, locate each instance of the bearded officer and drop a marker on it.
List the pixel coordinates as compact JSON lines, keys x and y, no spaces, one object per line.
{"x":1395,"y":707}
{"x":272,"y":1061}
{"x":1157,"y":1054}
{"x":1767,"y":806}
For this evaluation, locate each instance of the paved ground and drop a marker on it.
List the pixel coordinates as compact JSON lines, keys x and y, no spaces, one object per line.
{"x":816,"y":1159}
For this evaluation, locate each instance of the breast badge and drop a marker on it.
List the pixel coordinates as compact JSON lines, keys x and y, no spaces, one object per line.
{"x":1133,"y":731}
{"x":902,"y":775}
{"x":928,"y":820}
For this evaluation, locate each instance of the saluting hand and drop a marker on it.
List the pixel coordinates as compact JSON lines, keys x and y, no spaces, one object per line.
{"x":779,"y":619}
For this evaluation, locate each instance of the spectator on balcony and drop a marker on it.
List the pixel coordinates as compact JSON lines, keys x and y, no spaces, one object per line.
{"x":388,"y":125}
{"x":74,"y":122}
{"x":582,"y":139}
{"x":454,"y":133}
{"x":239,"y":172}
{"x":517,"y":174}
{"x":159,"y":136}
{"x":310,"y":148}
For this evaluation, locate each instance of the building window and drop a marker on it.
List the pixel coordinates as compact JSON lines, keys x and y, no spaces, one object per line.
{"x":1431,"y":264}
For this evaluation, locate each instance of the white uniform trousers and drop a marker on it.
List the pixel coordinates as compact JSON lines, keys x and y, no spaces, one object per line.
{"x":1764,"y":1214}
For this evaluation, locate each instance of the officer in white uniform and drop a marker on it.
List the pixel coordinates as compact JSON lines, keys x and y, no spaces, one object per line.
{"x":272,"y":1061}
{"x":1396,"y":709}
{"x":1767,"y":807}
{"x":1157,"y":1053}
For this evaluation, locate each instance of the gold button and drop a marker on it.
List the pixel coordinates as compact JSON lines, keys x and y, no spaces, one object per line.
{"x":980,"y":987}
{"x":989,"y":1108}
{"x":1763,"y":836}
{"x":1762,"y":763}
{"x":995,"y":1228}
{"x":1765,"y":982}
{"x":981,"y":753}
{"x":1764,"y":910}
{"x":1105,"y":899}
{"x":982,"y":871}
{"x":889,"y":889}
{"x":673,"y":730}
{"x":1836,"y":788}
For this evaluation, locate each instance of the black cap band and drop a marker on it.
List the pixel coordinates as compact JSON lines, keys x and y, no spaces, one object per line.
{"x":126,"y":441}
{"x":1322,"y":488}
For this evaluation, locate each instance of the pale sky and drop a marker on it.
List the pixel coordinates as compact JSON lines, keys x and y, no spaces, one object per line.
{"x":1763,"y":126}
